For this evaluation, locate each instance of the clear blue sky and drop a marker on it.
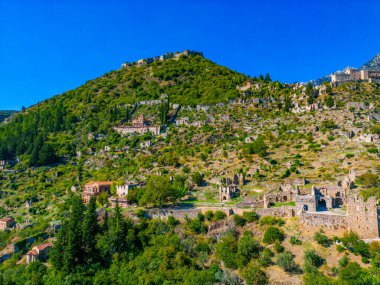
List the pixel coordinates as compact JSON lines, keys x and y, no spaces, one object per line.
{"x":47,"y":47}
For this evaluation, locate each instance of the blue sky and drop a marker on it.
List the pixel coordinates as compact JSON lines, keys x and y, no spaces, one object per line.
{"x":50,"y":46}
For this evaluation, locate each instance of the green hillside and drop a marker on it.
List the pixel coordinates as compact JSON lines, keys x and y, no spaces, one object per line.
{"x":269,"y":135}
{"x":5,"y":114}
{"x":101,"y":103}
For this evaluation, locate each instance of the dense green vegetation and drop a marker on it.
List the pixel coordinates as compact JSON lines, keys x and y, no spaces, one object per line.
{"x":68,"y":140}
{"x":5,"y":114}
{"x":60,"y":124}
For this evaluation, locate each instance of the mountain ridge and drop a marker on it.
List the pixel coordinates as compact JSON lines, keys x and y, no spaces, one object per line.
{"x":372,"y":64}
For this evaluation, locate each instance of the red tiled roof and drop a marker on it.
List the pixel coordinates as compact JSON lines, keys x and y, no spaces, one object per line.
{"x":99,"y":183}
{"x":32,"y":252}
{"x":44,"y":246}
{"x":6,"y":220}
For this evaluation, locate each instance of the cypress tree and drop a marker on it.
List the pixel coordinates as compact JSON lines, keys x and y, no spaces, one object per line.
{"x":73,"y":251}
{"x":89,"y":231}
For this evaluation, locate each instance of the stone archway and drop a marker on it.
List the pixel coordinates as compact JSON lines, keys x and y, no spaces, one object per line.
{"x":338,"y":202}
{"x":322,"y":205}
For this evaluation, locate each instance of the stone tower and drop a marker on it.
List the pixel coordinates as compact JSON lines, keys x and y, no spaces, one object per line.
{"x":363,"y":217}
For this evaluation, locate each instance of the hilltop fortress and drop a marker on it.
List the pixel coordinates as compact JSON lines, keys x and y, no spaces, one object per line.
{"x":162,"y":57}
{"x":353,"y":74}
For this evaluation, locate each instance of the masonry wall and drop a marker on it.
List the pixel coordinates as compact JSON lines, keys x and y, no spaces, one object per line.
{"x":324,"y":220}
{"x":178,"y":214}
{"x":283,"y":212}
{"x":363,"y":217}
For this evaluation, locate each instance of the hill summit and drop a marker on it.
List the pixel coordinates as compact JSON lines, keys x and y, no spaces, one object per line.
{"x":373,"y":64}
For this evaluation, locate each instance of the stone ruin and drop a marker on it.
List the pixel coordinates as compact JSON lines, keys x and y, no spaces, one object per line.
{"x":229,"y":188}
{"x":285,"y":193}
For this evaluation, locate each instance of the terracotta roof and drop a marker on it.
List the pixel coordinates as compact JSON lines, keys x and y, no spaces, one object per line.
{"x":32,"y":252}
{"x":43,"y":246}
{"x":6,"y":220}
{"x":99,"y":182}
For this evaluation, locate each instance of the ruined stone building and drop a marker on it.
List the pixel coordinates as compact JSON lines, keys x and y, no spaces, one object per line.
{"x":162,"y":57}
{"x":140,"y":126}
{"x":94,"y":188}
{"x":122,"y":193}
{"x":227,"y":192}
{"x":321,"y":199}
{"x":229,"y":188}
{"x":353,"y":74}
{"x":284,"y":193}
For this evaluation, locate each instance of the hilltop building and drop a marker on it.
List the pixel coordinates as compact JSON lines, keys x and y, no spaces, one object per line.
{"x":162,"y":57}
{"x":353,"y":74}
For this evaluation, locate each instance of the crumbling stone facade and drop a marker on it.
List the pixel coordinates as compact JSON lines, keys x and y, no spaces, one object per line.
{"x":363,"y":216}
{"x":139,"y":126}
{"x":285,"y":193}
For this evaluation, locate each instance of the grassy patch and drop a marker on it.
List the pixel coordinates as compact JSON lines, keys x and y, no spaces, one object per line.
{"x":280,"y":204}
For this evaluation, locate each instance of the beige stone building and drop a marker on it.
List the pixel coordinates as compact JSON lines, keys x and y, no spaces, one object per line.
{"x":140,"y":126}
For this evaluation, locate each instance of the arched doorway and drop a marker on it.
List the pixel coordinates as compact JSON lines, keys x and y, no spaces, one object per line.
{"x":338,"y":202}
{"x":305,"y":208}
{"x":322,"y":205}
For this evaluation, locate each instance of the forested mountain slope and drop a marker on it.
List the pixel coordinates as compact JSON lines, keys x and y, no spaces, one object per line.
{"x":58,"y":124}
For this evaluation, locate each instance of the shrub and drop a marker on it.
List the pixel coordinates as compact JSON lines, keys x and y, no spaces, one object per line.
{"x":365,"y":260}
{"x":269,"y":220}
{"x":344,"y":261}
{"x":141,"y":214}
{"x":312,"y":260}
{"x":340,"y":248}
{"x":239,"y":220}
{"x":253,"y":275}
{"x":265,"y":257}
{"x":250,"y":216}
{"x":226,"y":250}
{"x":316,"y":278}
{"x":197,"y":178}
{"x":368,"y":180}
{"x":374,"y":248}
{"x":322,"y":239}
{"x":248,"y":248}
{"x":350,"y":155}
{"x":219,"y":215}
{"x":286,"y":261}
{"x":278,"y":247}
{"x":272,"y":234}
{"x":209,"y":215}
{"x":196,"y":225}
{"x":295,"y":241}
{"x":353,"y":243}
{"x":352,"y":273}
{"x":172,"y":222}
{"x":373,"y":150}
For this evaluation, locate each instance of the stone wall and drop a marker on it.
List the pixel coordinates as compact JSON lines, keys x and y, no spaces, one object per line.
{"x":326,"y":220}
{"x":283,"y":212}
{"x":179,"y":214}
{"x":363,"y":217}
